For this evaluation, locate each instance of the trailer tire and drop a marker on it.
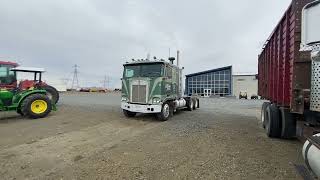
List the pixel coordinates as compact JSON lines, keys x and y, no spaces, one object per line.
{"x":273,"y":124}
{"x":165,"y":112}
{"x":288,"y":124}
{"x":129,"y":114}
{"x":263,"y":113}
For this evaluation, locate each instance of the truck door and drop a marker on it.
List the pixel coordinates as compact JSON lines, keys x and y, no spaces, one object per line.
{"x":168,"y":83}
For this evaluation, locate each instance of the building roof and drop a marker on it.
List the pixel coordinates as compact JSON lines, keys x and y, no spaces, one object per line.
{"x":209,"y":71}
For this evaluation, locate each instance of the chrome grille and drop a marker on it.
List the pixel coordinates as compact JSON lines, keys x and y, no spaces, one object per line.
{"x":139,"y":93}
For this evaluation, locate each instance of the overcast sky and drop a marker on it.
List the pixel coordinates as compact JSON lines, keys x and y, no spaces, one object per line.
{"x":100,"y":35}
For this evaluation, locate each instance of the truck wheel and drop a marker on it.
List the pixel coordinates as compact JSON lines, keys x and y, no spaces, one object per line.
{"x":273,"y":123}
{"x":263,"y":113}
{"x":288,"y":124}
{"x":36,"y":106}
{"x":198,"y":103}
{"x":52,"y":93}
{"x":190,"y":104}
{"x":165,"y":112}
{"x":129,"y":113}
{"x":195,"y":104}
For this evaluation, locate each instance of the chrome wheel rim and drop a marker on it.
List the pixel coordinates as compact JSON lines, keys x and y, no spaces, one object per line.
{"x":166,"y":110}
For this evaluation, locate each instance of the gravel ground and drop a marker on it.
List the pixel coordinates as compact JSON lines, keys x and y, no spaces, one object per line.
{"x":89,"y":138}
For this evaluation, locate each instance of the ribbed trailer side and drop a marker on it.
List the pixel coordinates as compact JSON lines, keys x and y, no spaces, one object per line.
{"x":280,"y":62}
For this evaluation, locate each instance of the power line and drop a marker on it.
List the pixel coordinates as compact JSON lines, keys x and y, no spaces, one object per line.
{"x":75,"y":80}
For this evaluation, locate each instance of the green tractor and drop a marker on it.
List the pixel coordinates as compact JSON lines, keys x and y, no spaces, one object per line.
{"x":33,"y":102}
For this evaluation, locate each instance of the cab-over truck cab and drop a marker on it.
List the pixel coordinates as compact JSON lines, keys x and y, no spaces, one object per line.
{"x":154,"y":87}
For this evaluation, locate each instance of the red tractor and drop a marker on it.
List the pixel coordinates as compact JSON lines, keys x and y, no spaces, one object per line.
{"x":8,"y":80}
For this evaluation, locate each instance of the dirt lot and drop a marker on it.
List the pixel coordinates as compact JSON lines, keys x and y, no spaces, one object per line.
{"x":89,"y":138}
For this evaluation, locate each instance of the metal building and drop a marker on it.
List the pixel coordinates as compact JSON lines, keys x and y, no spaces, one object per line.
{"x":245,"y":83}
{"x":216,"y":82}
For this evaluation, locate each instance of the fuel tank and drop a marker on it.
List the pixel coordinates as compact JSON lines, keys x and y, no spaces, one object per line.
{"x":311,"y":154}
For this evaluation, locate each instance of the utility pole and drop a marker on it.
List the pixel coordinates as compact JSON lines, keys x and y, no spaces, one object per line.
{"x":75,"y":80}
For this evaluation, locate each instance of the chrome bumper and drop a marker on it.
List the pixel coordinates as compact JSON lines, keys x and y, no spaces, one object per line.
{"x":141,"y":108}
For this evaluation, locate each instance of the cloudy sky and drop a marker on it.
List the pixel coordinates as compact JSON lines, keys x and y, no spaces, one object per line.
{"x":100,"y":35}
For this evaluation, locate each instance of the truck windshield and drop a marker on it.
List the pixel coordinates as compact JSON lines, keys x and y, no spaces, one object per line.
{"x":7,"y":76}
{"x":143,"y":70}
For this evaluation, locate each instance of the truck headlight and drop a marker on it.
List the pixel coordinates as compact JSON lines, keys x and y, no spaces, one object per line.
{"x":156,"y":100}
{"x":315,"y":55}
{"x":123,"y":98}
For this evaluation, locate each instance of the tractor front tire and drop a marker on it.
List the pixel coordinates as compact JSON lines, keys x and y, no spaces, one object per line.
{"x":52,"y":93}
{"x":36,"y":106}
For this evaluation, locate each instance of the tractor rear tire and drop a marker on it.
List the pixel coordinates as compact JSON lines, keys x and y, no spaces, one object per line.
{"x":129,"y":114}
{"x":52,"y":93}
{"x":273,"y":121}
{"x":36,"y":106}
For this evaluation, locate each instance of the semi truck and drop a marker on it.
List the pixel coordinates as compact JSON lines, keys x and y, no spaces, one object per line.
{"x":289,"y":77}
{"x":154,"y":87}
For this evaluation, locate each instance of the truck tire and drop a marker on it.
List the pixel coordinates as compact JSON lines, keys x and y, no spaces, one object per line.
{"x":273,"y":121}
{"x":36,"y":106}
{"x":190,"y":104}
{"x":195,"y":103}
{"x":198,"y":103}
{"x":52,"y":93}
{"x":129,"y":113}
{"x":165,"y":112}
{"x":288,"y":124}
{"x":263,"y":113}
